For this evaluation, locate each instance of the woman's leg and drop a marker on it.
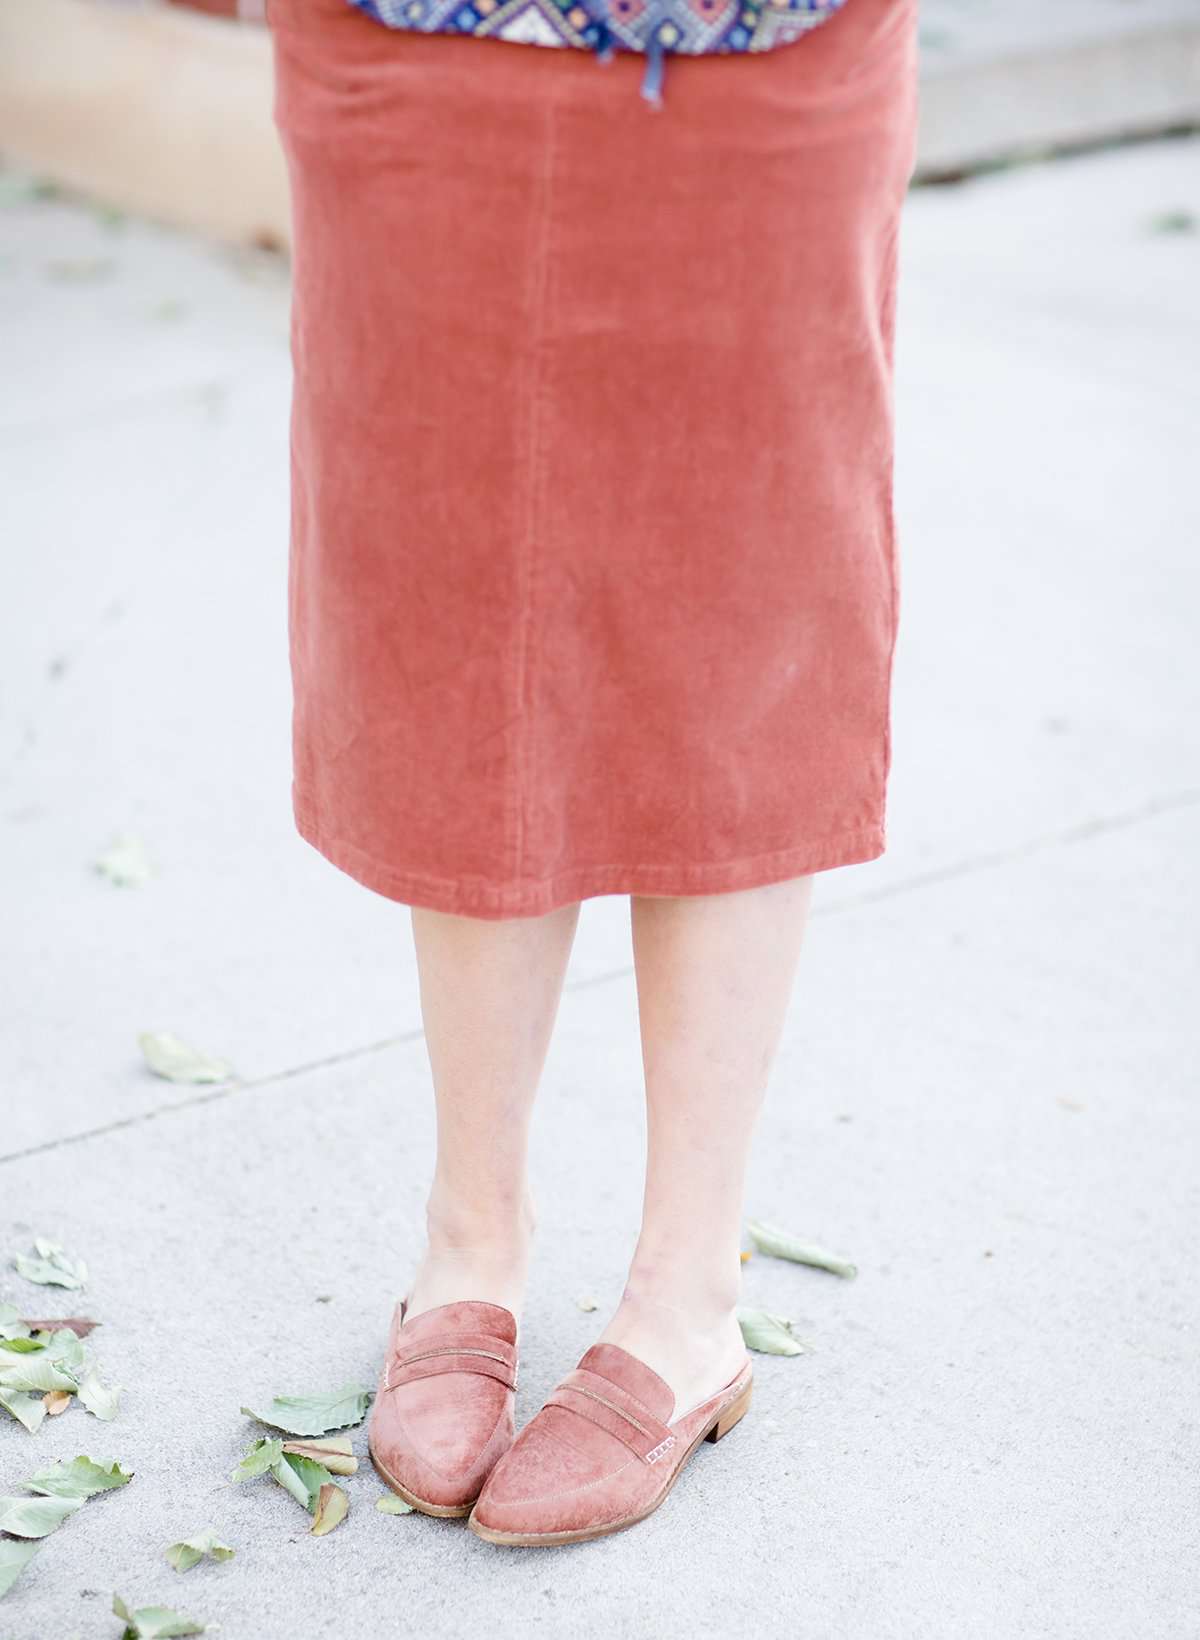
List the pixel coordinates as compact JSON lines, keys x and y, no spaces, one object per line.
{"x":489,"y":995}
{"x":714,"y":975}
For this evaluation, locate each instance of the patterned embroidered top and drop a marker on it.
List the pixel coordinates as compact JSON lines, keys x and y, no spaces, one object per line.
{"x":655,"y":27}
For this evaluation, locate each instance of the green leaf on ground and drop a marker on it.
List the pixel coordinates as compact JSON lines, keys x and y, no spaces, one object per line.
{"x":309,"y":1475}
{"x":767,"y":1333}
{"x":263,"y":1455}
{"x":332,"y":1507}
{"x":296,"y":1472}
{"x":1177,"y":221}
{"x":63,"y":1345}
{"x":26,"y":1409}
{"x":35,"y":1517}
{"x":335,"y":1452}
{"x":14,"y":1557}
{"x":11,"y":1325}
{"x":38,"y":1372}
{"x":79,"y":269}
{"x":292,"y":1482}
{"x":98,"y":1398}
{"x":22,"y":1346}
{"x":191,"y":1551}
{"x":390,"y":1504}
{"x":50,"y":1265}
{"x":782,"y":1244}
{"x":79,"y":1478}
{"x":153,"y":1622}
{"x":125,"y":862}
{"x":167,"y":1055}
{"x":315,"y":1414}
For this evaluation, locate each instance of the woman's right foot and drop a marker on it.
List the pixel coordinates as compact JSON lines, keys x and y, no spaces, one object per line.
{"x":444,"y":1411}
{"x":471,"y":1257}
{"x":462,"y":1276}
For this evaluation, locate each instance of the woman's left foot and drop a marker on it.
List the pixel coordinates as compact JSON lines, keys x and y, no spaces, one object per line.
{"x":694,"y":1346}
{"x":603,"y":1452}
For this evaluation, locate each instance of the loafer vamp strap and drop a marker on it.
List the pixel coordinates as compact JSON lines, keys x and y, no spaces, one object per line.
{"x":453,"y":1352}
{"x":614,"y":1409}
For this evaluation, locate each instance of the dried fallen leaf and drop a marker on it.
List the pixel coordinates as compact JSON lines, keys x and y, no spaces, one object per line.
{"x":587,"y":1303}
{"x":782,"y":1244}
{"x":332,"y":1508}
{"x":80,"y":1478}
{"x":335,"y":1452}
{"x":51,"y":1266}
{"x":98,"y":1398}
{"x":315,"y":1414}
{"x":40,"y":1372}
{"x":291,"y":1481}
{"x":1174,"y":221}
{"x":263,"y":1455}
{"x":64,"y":1348}
{"x":390,"y":1504}
{"x":21,"y":188}
{"x":745,"y":1257}
{"x":35,"y":1517}
{"x":79,"y":269}
{"x":191,"y":1551}
{"x":167,"y":1055}
{"x":56,"y":1401}
{"x":11,"y":1325}
{"x":153,"y":1622}
{"x":125,"y":862}
{"x":15,"y":1555}
{"x":77,"y":1324}
{"x":303,"y":1478}
{"x":26,"y":1409}
{"x":767,"y":1333}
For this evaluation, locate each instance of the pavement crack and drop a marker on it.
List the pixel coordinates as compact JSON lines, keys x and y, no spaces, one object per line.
{"x":1082,"y":831}
{"x":211,"y":1096}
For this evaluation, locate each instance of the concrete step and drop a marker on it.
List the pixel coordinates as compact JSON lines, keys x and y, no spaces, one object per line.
{"x":165,"y":111}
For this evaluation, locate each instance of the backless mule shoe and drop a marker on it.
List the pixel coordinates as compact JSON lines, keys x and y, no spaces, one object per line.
{"x":602,"y":1453}
{"x":444,"y":1411}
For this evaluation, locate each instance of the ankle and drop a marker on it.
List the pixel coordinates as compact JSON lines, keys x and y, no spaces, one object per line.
{"x":708,"y":1296}
{"x":695,"y":1347}
{"x":498,"y":1229}
{"x":472,"y":1253}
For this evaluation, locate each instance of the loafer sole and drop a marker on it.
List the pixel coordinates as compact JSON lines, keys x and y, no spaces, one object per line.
{"x":447,"y":1511}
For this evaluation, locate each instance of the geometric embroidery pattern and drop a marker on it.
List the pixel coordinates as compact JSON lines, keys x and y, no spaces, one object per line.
{"x":655,"y":27}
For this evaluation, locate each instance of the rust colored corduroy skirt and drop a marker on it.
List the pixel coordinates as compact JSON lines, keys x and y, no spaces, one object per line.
{"x":593,"y":582}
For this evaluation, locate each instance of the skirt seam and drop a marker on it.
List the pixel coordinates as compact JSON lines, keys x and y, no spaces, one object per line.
{"x":525,"y":759}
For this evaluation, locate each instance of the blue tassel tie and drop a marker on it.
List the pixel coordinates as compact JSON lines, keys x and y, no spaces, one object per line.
{"x":653,"y":77}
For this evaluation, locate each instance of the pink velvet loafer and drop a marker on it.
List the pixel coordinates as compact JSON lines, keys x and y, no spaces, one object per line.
{"x":602,"y":1453}
{"x":444,"y":1411}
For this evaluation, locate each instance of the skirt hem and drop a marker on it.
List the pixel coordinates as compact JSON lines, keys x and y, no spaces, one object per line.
{"x":495,"y":901}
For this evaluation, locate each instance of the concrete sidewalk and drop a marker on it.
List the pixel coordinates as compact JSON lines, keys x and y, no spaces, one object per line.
{"x":987,"y":1089}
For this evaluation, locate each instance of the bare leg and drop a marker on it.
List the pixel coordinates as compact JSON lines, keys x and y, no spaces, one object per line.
{"x":489,"y":996}
{"x":714,"y":976}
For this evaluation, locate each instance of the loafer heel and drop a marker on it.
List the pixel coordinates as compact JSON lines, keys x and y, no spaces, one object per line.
{"x":731,"y":1415}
